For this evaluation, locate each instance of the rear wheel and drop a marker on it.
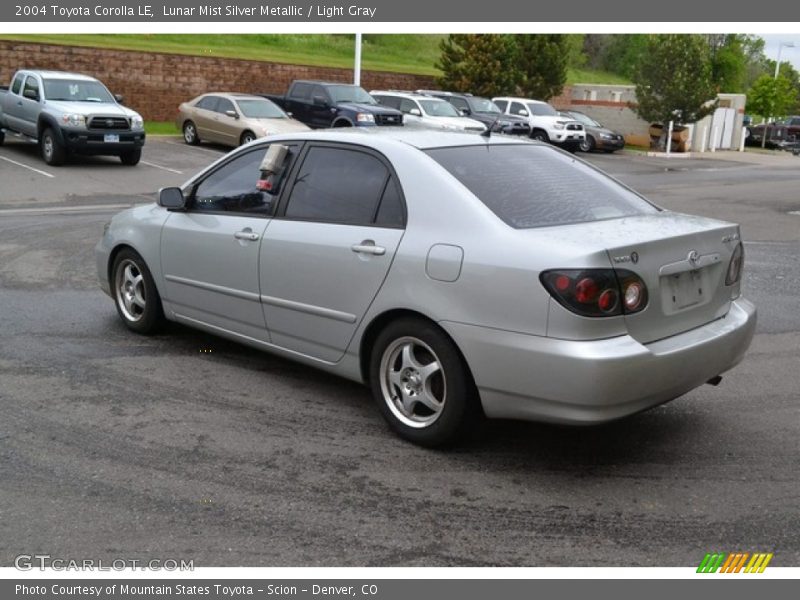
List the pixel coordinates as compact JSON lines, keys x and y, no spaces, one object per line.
{"x":190,"y":133}
{"x":588,"y":144}
{"x":135,"y":294}
{"x":247,"y":137}
{"x":132,"y":157}
{"x":422,"y":384}
{"x":53,"y":151}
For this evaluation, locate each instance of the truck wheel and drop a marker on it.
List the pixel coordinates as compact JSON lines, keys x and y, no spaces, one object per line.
{"x":190,"y":133}
{"x":131,"y":158}
{"x":2,"y":137}
{"x":53,"y":151}
{"x":540,"y":135}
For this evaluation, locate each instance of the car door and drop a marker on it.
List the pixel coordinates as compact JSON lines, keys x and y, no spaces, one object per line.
{"x":322,"y":108}
{"x":406,"y":106}
{"x":226,"y":125}
{"x":203,"y":116}
{"x":31,"y":106}
{"x":12,"y":103}
{"x":210,"y":251}
{"x":326,"y":255}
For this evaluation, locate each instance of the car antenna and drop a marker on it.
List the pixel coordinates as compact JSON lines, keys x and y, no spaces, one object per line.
{"x":488,"y":133}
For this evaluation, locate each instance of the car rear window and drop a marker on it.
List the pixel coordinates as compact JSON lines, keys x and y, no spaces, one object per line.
{"x":537,"y":186}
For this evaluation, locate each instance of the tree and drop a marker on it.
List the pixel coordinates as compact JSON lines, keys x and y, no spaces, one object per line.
{"x":728,"y":62}
{"x":622,"y":54}
{"x":482,"y":64}
{"x":673,"y":80}
{"x":542,"y":60}
{"x":771,"y":96}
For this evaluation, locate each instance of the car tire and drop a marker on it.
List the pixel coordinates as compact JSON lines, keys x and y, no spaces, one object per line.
{"x":422,"y":384}
{"x":342,"y":123}
{"x":247,"y":137}
{"x":131,"y":158}
{"x":53,"y":151}
{"x":540,"y":135}
{"x":135,"y":294}
{"x":2,"y":137}
{"x":588,"y":144}
{"x":190,"y":135}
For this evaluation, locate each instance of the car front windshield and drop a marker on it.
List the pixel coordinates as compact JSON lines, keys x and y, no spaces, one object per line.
{"x":585,"y":119}
{"x":438,"y":108}
{"x":483,"y":105}
{"x":71,"y":90}
{"x":261,"y":109}
{"x":350,"y":93}
{"x":542,"y":110}
{"x":524,"y":185}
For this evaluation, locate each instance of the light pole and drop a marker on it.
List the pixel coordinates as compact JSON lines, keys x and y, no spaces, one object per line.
{"x":357,"y":66}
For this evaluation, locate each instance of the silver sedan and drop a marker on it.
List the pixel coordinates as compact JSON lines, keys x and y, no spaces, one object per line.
{"x":459,"y":277}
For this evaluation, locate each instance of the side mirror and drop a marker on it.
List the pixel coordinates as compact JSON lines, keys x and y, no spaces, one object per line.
{"x":320,"y":101}
{"x":171,"y":198}
{"x":31,"y":94}
{"x":464,"y":112}
{"x":119,"y":98}
{"x":522,"y":113}
{"x":232,"y":114}
{"x":415,"y":111}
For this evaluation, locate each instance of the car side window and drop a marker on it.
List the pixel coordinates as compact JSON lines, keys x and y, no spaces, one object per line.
{"x":17,"y":83}
{"x":459,"y":103}
{"x":32,"y":84}
{"x":517,"y":108}
{"x":234,"y":188}
{"x":319,"y":92}
{"x":390,"y":101}
{"x":502,"y":104}
{"x":337,"y":185}
{"x":406,"y":105}
{"x":301,"y":91}
{"x":208,"y":103}
{"x":795,"y":122}
{"x":390,"y":211}
{"x":224,"y":105}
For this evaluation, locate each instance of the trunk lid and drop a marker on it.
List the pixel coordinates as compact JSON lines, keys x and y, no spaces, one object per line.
{"x":682,"y":259}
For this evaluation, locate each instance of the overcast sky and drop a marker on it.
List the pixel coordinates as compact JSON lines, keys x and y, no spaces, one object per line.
{"x":790,"y":54}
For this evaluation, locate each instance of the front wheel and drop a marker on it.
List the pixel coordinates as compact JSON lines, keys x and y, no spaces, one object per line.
{"x":422,"y":384}
{"x":53,"y":151}
{"x":587,"y":144}
{"x":135,"y":294}
{"x":540,"y":135}
{"x":131,"y":158}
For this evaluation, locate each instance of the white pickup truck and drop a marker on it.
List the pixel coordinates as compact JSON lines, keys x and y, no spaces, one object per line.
{"x":546,"y":124}
{"x":68,"y":113}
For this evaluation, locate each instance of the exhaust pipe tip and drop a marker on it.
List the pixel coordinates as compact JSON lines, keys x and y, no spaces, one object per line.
{"x":714,"y":380}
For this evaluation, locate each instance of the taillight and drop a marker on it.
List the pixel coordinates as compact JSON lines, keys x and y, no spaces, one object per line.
{"x":596,"y":292}
{"x":735,"y":267}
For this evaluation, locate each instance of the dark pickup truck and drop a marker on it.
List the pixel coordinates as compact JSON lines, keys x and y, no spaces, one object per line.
{"x":321,"y":104}
{"x":781,"y":134}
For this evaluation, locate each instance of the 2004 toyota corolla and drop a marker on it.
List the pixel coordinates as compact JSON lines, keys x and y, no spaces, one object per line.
{"x":458,"y":276}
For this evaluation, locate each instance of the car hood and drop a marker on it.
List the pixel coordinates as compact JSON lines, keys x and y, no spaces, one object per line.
{"x":111,"y":109}
{"x":374,"y":109}
{"x":460,"y":122}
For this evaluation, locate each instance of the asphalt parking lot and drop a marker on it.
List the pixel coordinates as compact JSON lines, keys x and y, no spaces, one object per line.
{"x":187,"y":446}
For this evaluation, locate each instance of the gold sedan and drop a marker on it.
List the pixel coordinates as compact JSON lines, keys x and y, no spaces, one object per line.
{"x":232,"y":119}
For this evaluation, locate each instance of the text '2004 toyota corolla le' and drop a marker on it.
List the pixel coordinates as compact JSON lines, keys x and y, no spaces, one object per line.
{"x":457,"y":276}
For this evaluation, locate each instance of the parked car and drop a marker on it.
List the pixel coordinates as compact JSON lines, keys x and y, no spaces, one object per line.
{"x":428,"y":112}
{"x":546,"y":124}
{"x":598,"y":137}
{"x":780,"y":134}
{"x":485,"y":111}
{"x":232,"y":119}
{"x":455,"y":275}
{"x":69,"y":113}
{"x":321,"y":104}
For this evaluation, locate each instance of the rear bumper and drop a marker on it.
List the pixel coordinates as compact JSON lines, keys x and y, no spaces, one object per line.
{"x":545,"y":379}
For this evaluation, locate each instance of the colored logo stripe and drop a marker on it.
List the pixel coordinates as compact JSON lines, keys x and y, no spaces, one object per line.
{"x":734,"y":562}
{"x":711,"y":562}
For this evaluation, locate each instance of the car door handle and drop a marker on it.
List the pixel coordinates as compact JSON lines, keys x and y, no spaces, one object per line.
{"x":246,"y":234}
{"x":368,"y":247}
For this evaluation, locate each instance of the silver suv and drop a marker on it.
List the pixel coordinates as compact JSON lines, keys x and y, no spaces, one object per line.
{"x":68,"y":113}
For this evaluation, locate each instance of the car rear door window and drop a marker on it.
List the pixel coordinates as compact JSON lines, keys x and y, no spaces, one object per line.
{"x":337,"y":185}
{"x":390,"y":210}
{"x":17,"y":84}
{"x":536,"y":186}
{"x":502,"y":104}
{"x":390,"y":101}
{"x":208,"y":103}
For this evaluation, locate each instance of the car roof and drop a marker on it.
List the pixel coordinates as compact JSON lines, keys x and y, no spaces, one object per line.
{"x":409,"y":95}
{"x":46,"y":74}
{"x":517,"y":99}
{"x":234,"y":95}
{"x":392,"y":137}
